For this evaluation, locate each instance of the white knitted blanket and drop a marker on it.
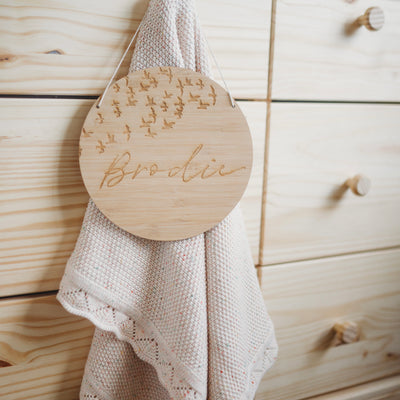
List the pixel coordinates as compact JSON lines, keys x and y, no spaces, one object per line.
{"x":179,"y":319}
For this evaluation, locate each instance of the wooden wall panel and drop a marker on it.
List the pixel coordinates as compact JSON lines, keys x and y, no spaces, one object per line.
{"x":315,"y":58}
{"x":305,"y":299}
{"x":43,"y":349}
{"x":72,"y":47}
{"x":42,"y":195}
{"x":313,"y":150}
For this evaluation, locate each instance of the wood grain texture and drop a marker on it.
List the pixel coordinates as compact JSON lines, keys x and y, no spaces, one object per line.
{"x":43,"y":199}
{"x":383,"y":389}
{"x":318,"y":58}
{"x":310,"y":211}
{"x":72,"y":47}
{"x":250,"y":202}
{"x":306,"y":299}
{"x":43,"y":349}
{"x":42,"y":196}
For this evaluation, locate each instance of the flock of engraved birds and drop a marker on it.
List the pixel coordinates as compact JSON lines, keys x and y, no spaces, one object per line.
{"x":162,"y":113}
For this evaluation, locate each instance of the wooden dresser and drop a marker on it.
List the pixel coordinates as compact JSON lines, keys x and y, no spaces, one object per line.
{"x":322,"y":209}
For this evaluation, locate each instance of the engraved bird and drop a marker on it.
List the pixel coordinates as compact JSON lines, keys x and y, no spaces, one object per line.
{"x":127,"y":132}
{"x":193,"y":98}
{"x":117,"y":112}
{"x":116,"y":87}
{"x":130,"y":90}
{"x":153,"y":82}
{"x":150,"y":101}
{"x":213,"y":95}
{"x":203,"y":105}
{"x":167,"y":95}
{"x":143,"y":87}
{"x":200,"y":83}
{"x":164,"y":106}
{"x":131,"y":101}
{"x":110,"y":138}
{"x":86,"y":133}
{"x":180,"y":86}
{"x":100,"y":146}
{"x":150,"y":133}
{"x":100,"y":118}
{"x":145,"y":124}
{"x":188,"y":82}
{"x":146,"y":75}
{"x":167,"y":72}
{"x":153,"y":115}
{"x":168,"y":125}
{"x":115,"y":103}
{"x":180,"y":103}
{"x":178,"y":113}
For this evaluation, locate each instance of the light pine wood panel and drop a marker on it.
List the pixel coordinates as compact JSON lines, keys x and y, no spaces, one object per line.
{"x":43,"y":199}
{"x":316,"y":59}
{"x":72,"y":47}
{"x":42,"y":195}
{"x":250,"y":202}
{"x":43,"y":349}
{"x":313,"y":150}
{"x":383,"y":389}
{"x":305,"y":300}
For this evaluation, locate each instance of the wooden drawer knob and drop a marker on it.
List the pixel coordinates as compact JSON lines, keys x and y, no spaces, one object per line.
{"x":359,"y":185}
{"x":373,"y":19}
{"x":346,"y":332}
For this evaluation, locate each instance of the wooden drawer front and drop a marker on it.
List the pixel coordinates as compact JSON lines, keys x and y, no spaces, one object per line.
{"x":73,"y":46}
{"x":382,"y":389}
{"x":315,"y":58}
{"x":43,"y":349}
{"x":306,"y":299}
{"x":43,"y":199}
{"x":313,"y":150}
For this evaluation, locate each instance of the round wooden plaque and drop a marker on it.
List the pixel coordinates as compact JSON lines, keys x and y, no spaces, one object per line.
{"x":165,"y":156}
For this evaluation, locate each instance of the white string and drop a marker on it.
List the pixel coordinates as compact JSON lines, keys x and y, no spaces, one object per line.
{"x":220,"y":72}
{"x":117,"y":68}
{"x":126,"y":51}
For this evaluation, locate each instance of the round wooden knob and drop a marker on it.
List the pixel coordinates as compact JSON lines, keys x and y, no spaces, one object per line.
{"x":373,"y":19}
{"x":359,"y":185}
{"x":346,"y":332}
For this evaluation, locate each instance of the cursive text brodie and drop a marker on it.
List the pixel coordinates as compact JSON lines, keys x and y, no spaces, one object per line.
{"x":118,"y":169}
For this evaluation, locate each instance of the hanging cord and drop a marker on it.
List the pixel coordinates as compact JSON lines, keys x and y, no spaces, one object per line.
{"x":220,"y":72}
{"x":126,"y":51}
{"x":119,"y":64}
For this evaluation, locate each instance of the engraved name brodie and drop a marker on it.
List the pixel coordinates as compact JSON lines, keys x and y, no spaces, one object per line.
{"x":118,"y":169}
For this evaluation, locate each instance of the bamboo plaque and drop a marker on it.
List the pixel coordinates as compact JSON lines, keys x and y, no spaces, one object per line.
{"x":165,"y":156}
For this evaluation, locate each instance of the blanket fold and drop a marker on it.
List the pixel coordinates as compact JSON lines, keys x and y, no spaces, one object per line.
{"x":178,"y":319}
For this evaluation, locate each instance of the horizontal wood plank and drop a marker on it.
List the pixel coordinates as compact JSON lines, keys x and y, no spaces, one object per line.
{"x":317,"y":58}
{"x":313,"y":150}
{"x":72,"y":47}
{"x":305,"y":300}
{"x":383,"y":389}
{"x":43,"y":349}
{"x":43,"y":199}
